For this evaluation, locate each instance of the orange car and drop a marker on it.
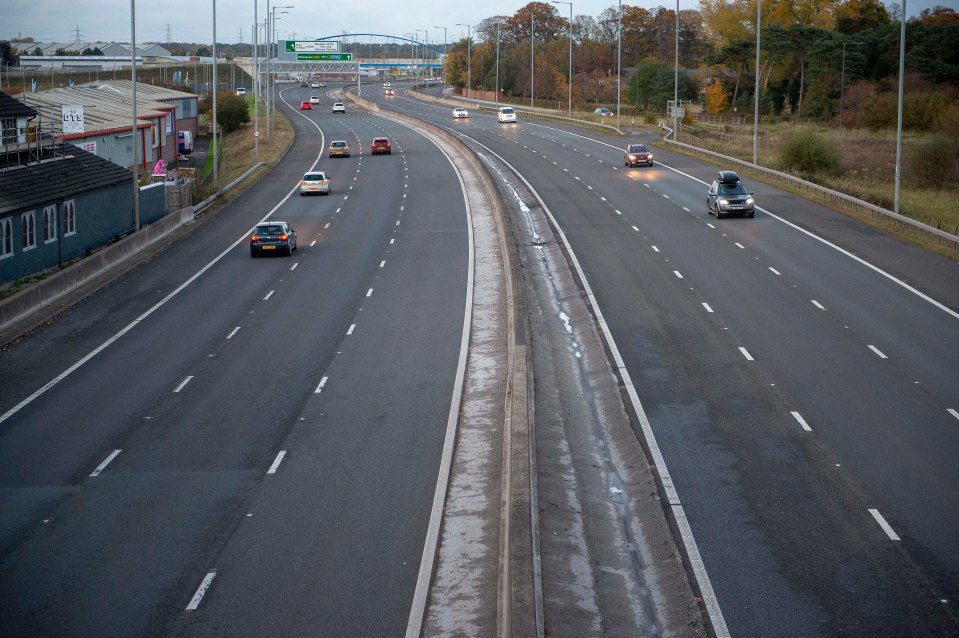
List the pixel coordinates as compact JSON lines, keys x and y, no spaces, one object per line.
{"x":381,"y":145}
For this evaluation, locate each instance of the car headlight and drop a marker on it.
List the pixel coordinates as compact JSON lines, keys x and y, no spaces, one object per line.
{"x":723,"y":202}
{"x":632,"y":158}
{"x":749,"y":200}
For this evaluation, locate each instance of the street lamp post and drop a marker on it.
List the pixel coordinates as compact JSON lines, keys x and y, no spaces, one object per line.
{"x":676,"y":78}
{"x":759,"y":18}
{"x":619,"y":59}
{"x":445,"y":51}
{"x":496,"y":98}
{"x":272,"y":114}
{"x":133,"y":66}
{"x":570,"y":53}
{"x":469,"y":57}
{"x":216,"y":154}
{"x":902,"y":69}
{"x":532,"y":62}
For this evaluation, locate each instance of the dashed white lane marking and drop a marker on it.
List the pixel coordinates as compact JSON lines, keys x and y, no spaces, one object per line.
{"x":602,"y":198}
{"x":369,"y":293}
{"x":802,"y":421}
{"x":319,"y":388}
{"x":233,"y":332}
{"x":346,"y":197}
{"x":952,"y":412}
{"x":276,"y":462}
{"x":884,"y":525}
{"x":710,"y":225}
{"x":312,"y":243}
{"x":746,"y":354}
{"x":382,"y":263}
{"x":817,"y":304}
{"x":402,"y":207}
{"x":655,"y":248}
{"x":352,"y":328}
{"x":678,"y":274}
{"x":201,"y":591}
{"x":293,"y":267}
{"x":878,"y":352}
{"x":636,"y":229}
{"x":392,"y":240}
{"x":565,"y":170}
{"x":268,"y":295}
{"x":397,"y":222}
{"x":339,"y":209}
{"x":183,"y":383}
{"x":687,"y":210}
{"x":618,"y":212}
{"x":740,"y":245}
{"x":775,"y":272}
{"x":327,"y":225}
{"x":666,"y":196}
{"x":706,"y":306}
{"x":105,"y":463}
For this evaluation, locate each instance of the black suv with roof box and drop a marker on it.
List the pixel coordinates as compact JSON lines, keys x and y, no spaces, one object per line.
{"x":727,"y":195}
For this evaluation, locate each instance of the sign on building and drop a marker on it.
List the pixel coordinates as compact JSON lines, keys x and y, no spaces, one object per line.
{"x":72,"y":119}
{"x":309,"y":46}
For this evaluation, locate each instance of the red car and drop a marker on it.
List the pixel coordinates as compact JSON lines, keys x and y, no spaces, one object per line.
{"x":381,"y":145}
{"x":305,"y":106}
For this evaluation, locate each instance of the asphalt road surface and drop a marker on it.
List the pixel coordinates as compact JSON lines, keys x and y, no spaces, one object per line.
{"x":798,"y":369}
{"x":254,"y":449}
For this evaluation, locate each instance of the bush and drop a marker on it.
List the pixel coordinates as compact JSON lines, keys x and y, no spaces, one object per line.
{"x":949,"y":124}
{"x":935,"y":162}
{"x":920,"y":111}
{"x":809,"y":153}
{"x":231,"y":111}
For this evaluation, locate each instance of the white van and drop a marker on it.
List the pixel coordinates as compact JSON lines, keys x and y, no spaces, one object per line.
{"x":506,"y":114}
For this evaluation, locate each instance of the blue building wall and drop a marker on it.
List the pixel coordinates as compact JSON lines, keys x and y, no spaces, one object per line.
{"x":100,"y":216}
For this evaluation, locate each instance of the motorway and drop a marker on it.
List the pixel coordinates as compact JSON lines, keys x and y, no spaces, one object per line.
{"x":798,"y":371}
{"x":245,"y":447}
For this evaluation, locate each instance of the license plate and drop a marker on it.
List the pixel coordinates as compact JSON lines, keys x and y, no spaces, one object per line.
{"x":268,"y":247}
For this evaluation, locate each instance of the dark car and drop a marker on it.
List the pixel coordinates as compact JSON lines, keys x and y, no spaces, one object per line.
{"x":303,"y":85}
{"x":381,"y":145}
{"x":272,"y":237}
{"x":637,"y":154}
{"x":727,"y":195}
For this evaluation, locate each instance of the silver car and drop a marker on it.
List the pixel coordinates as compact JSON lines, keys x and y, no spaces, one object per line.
{"x":315,"y":182}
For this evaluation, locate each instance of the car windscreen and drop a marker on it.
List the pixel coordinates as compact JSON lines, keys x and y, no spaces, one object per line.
{"x":638,"y":148}
{"x":732,"y":189}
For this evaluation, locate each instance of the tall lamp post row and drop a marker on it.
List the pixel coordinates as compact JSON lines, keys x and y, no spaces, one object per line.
{"x":570,"y":114}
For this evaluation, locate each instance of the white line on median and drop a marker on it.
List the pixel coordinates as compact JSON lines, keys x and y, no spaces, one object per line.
{"x":200,"y":592}
{"x":687,"y":210}
{"x":618,"y":212}
{"x":382,"y":263}
{"x":746,"y":354}
{"x":268,"y":295}
{"x":319,"y":388}
{"x":740,"y":245}
{"x":678,"y":274}
{"x":775,"y":272}
{"x":276,"y":462}
{"x":878,"y":352}
{"x":817,"y":304}
{"x":706,"y":306}
{"x":183,"y":383}
{"x":105,"y":463}
{"x":352,"y":328}
{"x":636,"y":229}
{"x":293,"y":267}
{"x":884,"y":525}
{"x":656,"y":249}
{"x":233,"y":332}
{"x":802,"y":421}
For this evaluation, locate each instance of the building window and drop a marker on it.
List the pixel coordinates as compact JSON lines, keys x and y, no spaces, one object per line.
{"x":69,"y":218}
{"x":8,"y":130}
{"x":49,"y":224}
{"x":28,"y":230}
{"x":6,"y":238}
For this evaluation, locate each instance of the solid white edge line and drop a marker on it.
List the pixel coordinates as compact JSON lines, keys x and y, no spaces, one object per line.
{"x":105,"y":463}
{"x":183,"y":383}
{"x":276,"y":462}
{"x":421,"y":592}
{"x":953,"y":412}
{"x":687,"y":539}
{"x":201,"y":591}
{"x":878,"y":352}
{"x":746,"y":354}
{"x":103,"y":346}
{"x":802,"y":421}
{"x":884,"y":525}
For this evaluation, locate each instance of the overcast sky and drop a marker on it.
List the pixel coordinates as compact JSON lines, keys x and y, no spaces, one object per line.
{"x":192,"y":20}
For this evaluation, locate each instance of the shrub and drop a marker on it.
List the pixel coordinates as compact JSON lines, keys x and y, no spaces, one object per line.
{"x":934,"y":162}
{"x":920,"y":111}
{"x":809,"y":153}
{"x":231,"y":111}
{"x":949,"y":124}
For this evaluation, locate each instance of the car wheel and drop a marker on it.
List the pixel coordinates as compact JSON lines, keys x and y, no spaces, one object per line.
{"x":751,"y":215}
{"x":252,"y":253}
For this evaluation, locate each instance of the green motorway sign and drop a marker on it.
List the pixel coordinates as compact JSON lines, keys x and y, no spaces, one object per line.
{"x":330,"y":57}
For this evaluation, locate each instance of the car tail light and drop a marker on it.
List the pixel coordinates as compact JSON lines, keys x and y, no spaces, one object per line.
{"x":303,"y":183}
{"x":283,"y":237}
{"x":254,"y":238}
{"x":322,"y":182}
